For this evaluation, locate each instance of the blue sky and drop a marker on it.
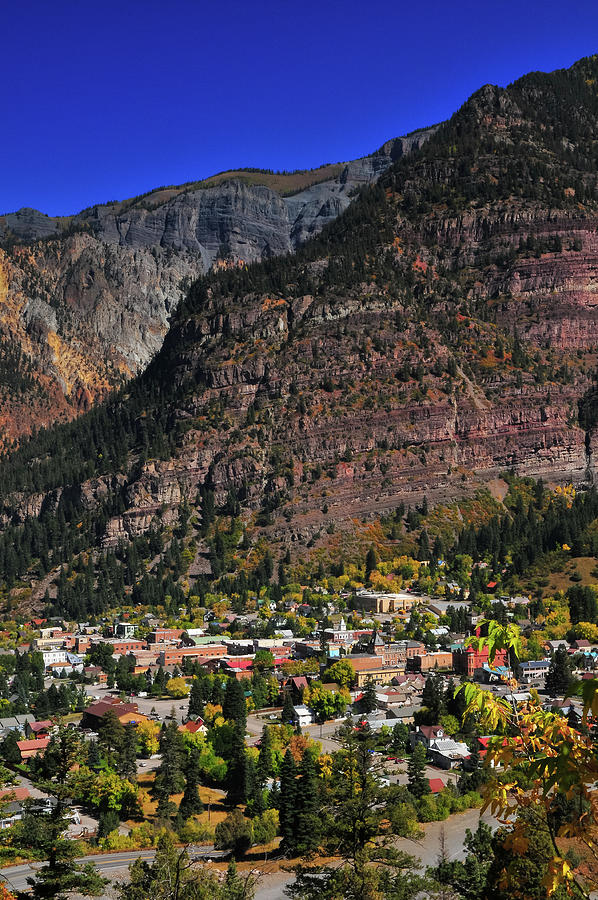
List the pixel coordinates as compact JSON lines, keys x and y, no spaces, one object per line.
{"x":106,"y":100}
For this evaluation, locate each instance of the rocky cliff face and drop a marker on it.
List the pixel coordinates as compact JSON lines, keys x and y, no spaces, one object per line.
{"x":87,"y":301}
{"x":440,"y":331}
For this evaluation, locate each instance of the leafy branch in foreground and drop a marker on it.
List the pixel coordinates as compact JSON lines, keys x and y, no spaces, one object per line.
{"x":544,"y":771}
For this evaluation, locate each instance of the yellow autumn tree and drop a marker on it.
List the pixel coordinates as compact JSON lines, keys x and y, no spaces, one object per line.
{"x":539,"y":764}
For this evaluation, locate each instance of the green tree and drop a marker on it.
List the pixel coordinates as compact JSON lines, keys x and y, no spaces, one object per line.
{"x":341,"y":672}
{"x":263,"y":661}
{"x":368,"y":701}
{"x":529,"y":870}
{"x":111,"y":736}
{"x":417,"y":781}
{"x":288,"y":803}
{"x":469,"y":877}
{"x":234,"y":706}
{"x":127,"y":762}
{"x":45,"y":831}
{"x":433,"y":698}
{"x":353,"y":818}
{"x":558,"y":678}
{"x":266,"y":761}
{"x":371,"y":562}
{"x":234,"y":833}
{"x":308,"y":819}
{"x":169,"y":776}
{"x":288,"y":710}
{"x":191,"y":803}
{"x":196,"y":698}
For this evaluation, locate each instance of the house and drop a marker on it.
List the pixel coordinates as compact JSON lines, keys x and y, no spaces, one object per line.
{"x":533,"y":669}
{"x":28,"y":749}
{"x":426,"y":734}
{"x":15,"y":723}
{"x":38,"y":729}
{"x":125,"y":712}
{"x":13,"y":811}
{"x":296,"y":684}
{"x":303,"y":715}
{"x":447,"y":753}
{"x":193,"y":727}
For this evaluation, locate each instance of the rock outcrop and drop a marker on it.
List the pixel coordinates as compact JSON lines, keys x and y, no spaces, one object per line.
{"x":87,"y":301}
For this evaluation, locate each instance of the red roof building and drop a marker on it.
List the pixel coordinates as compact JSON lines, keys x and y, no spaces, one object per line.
{"x":28,"y":749}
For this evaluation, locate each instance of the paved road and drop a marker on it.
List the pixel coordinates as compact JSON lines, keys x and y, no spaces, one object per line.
{"x":108,"y":864}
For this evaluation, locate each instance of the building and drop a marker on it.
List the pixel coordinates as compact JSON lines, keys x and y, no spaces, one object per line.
{"x":130,"y":645}
{"x":466,"y":660}
{"x":34,"y":747}
{"x":161,"y":635}
{"x":368,"y":666}
{"x":303,"y":716}
{"x":125,"y":712}
{"x":375,"y":602}
{"x":124,"y":630}
{"x":532,"y":670}
{"x":176,"y":655}
{"x":424,"y":662}
{"x":447,"y":753}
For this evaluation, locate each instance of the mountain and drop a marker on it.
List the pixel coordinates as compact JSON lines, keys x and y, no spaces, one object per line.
{"x":85,"y":300}
{"x":439,"y":331}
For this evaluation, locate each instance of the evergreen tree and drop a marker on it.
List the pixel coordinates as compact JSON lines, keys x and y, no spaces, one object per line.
{"x":111,"y":735}
{"x":196,"y":699}
{"x":239,"y":769}
{"x":234,"y":706}
{"x":417,"y":781}
{"x":265,"y":763}
{"x":433,"y":698}
{"x":127,"y":760}
{"x":371,"y":562}
{"x":191,"y":803}
{"x":559,"y":673}
{"x":288,"y":710}
{"x":288,"y":801}
{"x":45,"y":831}
{"x":308,"y":817}
{"x":368,"y":701}
{"x":94,"y":759}
{"x":169,"y":777}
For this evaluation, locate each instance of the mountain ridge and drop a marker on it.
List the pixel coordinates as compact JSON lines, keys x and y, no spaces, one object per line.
{"x":434,"y":335}
{"x":89,"y":305}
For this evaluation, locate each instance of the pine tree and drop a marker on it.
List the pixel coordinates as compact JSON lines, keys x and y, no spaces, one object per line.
{"x":308,"y":818}
{"x":371,"y":562}
{"x":559,"y":673}
{"x":368,"y":700}
{"x":288,"y":801}
{"x":288,"y":710}
{"x":433,"y":698}
{"x":265,"y":763}
{"x":417,"y":782}
{"x":169,"y":777}
{"x":111,"y":735}
{"x":191,"y":803}
{"x":127,"y":760}
{"x":238,"y":768}
{"x":234,"y":706}
{"x":196,"y":700}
